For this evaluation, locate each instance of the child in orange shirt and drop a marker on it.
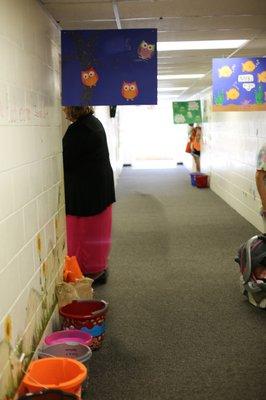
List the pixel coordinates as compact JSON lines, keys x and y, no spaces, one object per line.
{"x":195,"y":148}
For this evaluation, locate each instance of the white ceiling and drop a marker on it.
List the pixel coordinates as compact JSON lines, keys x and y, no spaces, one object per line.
{"x":175,"y":20}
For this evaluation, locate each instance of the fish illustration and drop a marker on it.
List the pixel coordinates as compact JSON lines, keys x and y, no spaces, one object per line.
{"x":225,"y":71}
{"x":248,"y":66}
{"x":232,"y":94}
{"x":262,"y":77}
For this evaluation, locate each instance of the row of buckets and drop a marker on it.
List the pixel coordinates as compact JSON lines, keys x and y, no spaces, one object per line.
{"x":199,"y":180}
{"x":62,"y":368}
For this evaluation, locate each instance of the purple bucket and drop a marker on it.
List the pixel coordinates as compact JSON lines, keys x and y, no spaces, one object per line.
{"x":68,"y":336}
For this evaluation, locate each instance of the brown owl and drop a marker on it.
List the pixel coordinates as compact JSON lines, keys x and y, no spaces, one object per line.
{"x":89,"y":77}
{"x":129,"y":90}
{"x":146,"y":50}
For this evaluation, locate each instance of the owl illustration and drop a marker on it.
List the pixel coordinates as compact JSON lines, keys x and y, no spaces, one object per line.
{"x":89,"y":77}
{"x":146,"y":50}
{"x":129,"y":90}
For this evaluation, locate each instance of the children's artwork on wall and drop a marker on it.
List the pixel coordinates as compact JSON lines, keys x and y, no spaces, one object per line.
{"x":107,"y":67}
{"x":187,"y":112}
{"x":239,"y":84}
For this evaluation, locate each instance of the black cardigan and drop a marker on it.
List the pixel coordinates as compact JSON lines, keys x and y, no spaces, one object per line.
{"x":89,"y":182}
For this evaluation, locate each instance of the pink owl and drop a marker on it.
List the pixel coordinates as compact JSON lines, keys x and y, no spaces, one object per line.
{"x":89,"y":77}
{"x":129,"y":90}
{"x":146,"y":50}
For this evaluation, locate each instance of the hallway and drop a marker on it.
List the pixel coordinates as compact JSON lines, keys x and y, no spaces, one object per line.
{"x":178,"y":326}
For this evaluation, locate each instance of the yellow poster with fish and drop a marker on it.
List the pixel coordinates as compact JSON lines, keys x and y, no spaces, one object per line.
{"x":239,"y":84}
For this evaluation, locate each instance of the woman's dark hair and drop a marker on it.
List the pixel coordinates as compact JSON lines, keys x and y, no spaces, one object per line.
{"x":74,"y":112}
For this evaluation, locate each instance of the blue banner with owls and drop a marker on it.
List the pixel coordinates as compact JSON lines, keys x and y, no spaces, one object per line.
{"x":239,"y":84}
{"x":109,"y":67}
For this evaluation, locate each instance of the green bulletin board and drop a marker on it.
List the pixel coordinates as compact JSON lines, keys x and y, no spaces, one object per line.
{"x":187,"y":112}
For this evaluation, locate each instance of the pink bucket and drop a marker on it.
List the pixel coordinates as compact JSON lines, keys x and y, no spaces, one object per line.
{"x":70,"y":335}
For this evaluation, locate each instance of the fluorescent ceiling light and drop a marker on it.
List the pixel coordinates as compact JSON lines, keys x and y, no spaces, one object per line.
{"x":181,"y":76}
{"x":201,"y":45}
{"x":172,"y":89}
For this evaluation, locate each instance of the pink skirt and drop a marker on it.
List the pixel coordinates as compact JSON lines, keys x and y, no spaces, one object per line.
{"x":89,"y":239}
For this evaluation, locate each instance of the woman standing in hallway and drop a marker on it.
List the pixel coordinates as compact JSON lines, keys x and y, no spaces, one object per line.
{"x":196,"y":146}
{"x":261,"y":178}
{"x":89,"y":191}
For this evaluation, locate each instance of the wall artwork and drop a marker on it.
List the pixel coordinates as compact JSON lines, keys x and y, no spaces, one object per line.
{"x":239,"y":84}
{"x":187,"y":112}
{"x":107,"y":67}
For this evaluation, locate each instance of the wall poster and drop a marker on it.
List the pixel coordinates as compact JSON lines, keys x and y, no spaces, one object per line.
{"x":239,"y":84}
{"x":187,"y":112}
{"x":109,"y":67}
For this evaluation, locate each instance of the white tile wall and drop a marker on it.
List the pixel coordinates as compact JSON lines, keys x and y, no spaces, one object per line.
{"x":35,"y":177}
{"x":21,"y":186}
{"x":7,"y":197}
{"x":30,"y":212}
{"x":30,"y":159}
{"x":10,"y":286}
{"x":231,"y":141}
{"x":26,"y":265}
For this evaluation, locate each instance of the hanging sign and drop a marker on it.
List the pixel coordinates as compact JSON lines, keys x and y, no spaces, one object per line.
{"x":107,"y":67}
{"x":187,"y":112}
{"x":239,"y":84}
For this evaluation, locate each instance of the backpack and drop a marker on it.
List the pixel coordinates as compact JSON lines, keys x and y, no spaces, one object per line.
{"x":251,"y":259}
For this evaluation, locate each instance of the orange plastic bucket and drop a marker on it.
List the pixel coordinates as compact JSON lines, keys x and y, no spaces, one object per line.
{"x":66,"y":374}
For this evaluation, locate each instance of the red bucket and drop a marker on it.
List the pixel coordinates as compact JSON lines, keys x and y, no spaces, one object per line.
{"x":89,"y":316}
{"x":202,"y":181}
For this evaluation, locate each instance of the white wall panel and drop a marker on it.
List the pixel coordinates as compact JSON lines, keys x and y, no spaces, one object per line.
{"x":231,"y":141}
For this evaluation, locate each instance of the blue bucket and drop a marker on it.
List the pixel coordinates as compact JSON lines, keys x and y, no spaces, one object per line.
{"x":193,"y":177}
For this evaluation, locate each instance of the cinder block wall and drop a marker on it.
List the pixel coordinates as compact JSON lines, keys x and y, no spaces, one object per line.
{"x":231,"y":141}
{"x":32,"y":217}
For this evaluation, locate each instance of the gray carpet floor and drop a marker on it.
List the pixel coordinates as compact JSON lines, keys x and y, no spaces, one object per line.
{"x":178,"y":326}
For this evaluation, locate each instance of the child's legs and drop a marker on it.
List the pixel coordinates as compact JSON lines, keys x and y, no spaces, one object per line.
{"x":197,"y":162}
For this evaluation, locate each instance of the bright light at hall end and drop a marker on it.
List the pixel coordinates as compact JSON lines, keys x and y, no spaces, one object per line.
{"x":201,"y":45}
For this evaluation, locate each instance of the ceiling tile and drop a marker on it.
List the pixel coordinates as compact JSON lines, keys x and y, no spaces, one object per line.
{"x":81,"y":12}
{"x":175,"y":20}
{"x":179,"y":8}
